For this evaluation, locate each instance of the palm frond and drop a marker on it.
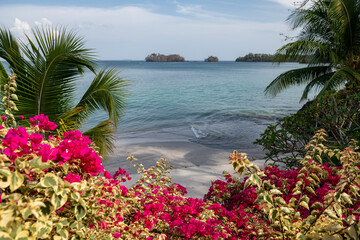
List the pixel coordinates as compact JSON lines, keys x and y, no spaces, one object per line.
{"x":295,"y":77}
{"x":299,"y":49}
{"x":340,"y":77}
{"x":102,"y":135}
{"x":56,"y":58}
{"x":107,"y":92}
{"x":316,"y":84}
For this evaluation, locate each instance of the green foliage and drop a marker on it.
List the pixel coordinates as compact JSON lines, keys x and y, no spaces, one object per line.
{"x":8,"y":101}
{"x":337,"y":113}
{"x":329,"y":36}
{"x":335,"y":219}
{"x":47,"y":67}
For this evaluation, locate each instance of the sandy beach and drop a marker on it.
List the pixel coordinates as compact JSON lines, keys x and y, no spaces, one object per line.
{"x":194,"y":165}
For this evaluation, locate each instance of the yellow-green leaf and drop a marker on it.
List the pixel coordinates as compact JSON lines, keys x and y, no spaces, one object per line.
{"x":304,"y":204}
{"x":346,"y":197}
{"x":24,"y":235}
{"x":5,"y":236}
{"x":15,"y":180}
{"x":331,"y":213}
{"x":49,"y":180}
{"x":80,"y":212}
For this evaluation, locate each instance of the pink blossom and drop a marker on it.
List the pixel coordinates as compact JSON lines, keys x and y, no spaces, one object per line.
{"x":71,"y":177}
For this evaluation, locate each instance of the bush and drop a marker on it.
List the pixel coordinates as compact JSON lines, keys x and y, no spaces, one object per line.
{"x":315,"y":201}
{"x":337,"y":113}
{"x":51,"y":189}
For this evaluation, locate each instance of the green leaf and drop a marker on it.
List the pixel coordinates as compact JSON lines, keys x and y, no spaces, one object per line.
{"x":331,"y":213}
{"x":310,"y":189}
{"x":273,"y":214}
{"x":37,"y":163}
{"x":49,"y":180}
{"x":346,"y":197}
{"x":15,"y":180}
{"x":5,"y":172}
{"x":79,"y":212}
{"x":275,"y":192}
{"x":24,"y":235}
{"x":280,"y":201}
{"x":25,"y":212}
{"x":304,"y":204}
{"x":58,"y":201}
{"x":5,"y":236}
{"x":317,"y":205}
{"x":75,"y":196}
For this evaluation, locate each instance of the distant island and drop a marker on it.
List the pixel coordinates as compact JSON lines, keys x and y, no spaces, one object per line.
{"x":164,"y":58}
{"x":257,"y":57}
{"x":263,"y":57}
{"x":212,"y":59}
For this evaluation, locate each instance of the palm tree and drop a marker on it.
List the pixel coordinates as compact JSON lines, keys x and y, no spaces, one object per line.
{"x":47,"y":67}
{"x":330,"y":37}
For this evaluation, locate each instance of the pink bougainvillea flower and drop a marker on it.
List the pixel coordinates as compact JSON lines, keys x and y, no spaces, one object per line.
{"x":3,"y":118}
{"x":21,"y":117}
{"x":71,"y":177}
{"x":107,"y":175}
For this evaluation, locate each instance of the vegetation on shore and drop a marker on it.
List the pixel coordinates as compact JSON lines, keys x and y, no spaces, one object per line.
{"x":164,"y":58}
{"x":330,"y":35}
{"x":47,"y":67}
{"x":262,"y":57}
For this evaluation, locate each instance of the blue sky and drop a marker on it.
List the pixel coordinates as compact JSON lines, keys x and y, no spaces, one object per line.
{"x":132,"y":29}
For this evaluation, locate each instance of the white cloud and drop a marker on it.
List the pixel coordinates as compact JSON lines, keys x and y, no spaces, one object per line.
{"x":133,"y":32}
{"x":43,"y":22}
{"x":20,"y":27}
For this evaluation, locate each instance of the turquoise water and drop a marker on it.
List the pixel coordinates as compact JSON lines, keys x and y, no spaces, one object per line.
{"x":219,"y":105}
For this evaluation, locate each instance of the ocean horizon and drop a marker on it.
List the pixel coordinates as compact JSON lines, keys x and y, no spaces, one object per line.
{"x":215,"y":104}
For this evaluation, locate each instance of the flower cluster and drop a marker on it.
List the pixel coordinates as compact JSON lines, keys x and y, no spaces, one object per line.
{"x":63,"y":195}
{"x":74,"y":148}
{"x":42,"y":122}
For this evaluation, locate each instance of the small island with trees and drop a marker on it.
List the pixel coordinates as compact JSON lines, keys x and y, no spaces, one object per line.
{"x":263,"y":57}
{"x":256,"y":57}
{"x":212,"y":59}
{"x":164,"y":58}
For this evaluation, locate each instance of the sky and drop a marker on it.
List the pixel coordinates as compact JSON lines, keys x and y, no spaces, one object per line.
{"x":133,"y":29}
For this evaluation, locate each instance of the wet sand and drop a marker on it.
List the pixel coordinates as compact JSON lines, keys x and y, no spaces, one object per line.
{"x":194,"y":165}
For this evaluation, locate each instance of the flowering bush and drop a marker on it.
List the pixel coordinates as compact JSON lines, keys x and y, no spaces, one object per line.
{"x":52,"y":188}
{"x":315,"y":201}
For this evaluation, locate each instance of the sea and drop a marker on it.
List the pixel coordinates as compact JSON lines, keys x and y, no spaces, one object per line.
{"x":216,"y":104}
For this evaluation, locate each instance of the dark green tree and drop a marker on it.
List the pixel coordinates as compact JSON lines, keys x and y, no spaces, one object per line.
{"x":48,"y":65}
{"x":330,"y":36}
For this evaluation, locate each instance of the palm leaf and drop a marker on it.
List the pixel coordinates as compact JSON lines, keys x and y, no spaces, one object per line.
{"x":340,"y":77}
{"x":56,"y":60}
{"x":303,"y":48}
{"x":295,"y":77}
{"x":102,"y":135}
{"x":316,"y":84}
{"x":107,"y":92}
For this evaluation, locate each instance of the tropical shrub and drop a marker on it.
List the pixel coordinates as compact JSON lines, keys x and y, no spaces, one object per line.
{"x":51,"y":189}
{"x":314,"y":201}
{"x":338,"y":113}
{"x":48,"y":64}
{"x":329,"y":38}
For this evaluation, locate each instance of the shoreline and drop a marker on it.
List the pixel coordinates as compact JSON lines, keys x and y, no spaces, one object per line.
{"x":194,"y":165}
